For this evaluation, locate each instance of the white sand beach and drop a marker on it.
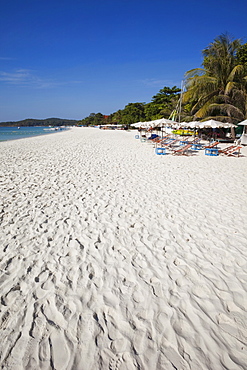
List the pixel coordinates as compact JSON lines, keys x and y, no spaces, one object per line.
{"x":115,"y":258}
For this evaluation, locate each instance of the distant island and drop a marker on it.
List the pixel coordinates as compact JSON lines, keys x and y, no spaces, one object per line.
{"x":40,"y":122}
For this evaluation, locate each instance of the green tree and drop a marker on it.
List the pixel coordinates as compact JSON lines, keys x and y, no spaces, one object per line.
{"x":132,"y":112}
{"x":152,"y":111}
{"x":242,"y":55}
{"x":219,"y":89}
{"x":116,"y":116}
{"x":166,"y":100}
{"x":94,"y":119}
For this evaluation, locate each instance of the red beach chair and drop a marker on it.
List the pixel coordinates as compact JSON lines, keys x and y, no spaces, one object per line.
{"x":233,"y":152}
{"x":183,"y":150}
{"x":211,"y":145}
{"x":226,"y":150}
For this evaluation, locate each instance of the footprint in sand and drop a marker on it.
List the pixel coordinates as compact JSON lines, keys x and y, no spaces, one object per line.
{"x":138,"y":296}
{"x":119,"y":345}
{"x":60,"y":353}
{"x":91,"y":271}
{"x":44,"y":353}
{"x":110,"y":360}
{"x":157,"y":287}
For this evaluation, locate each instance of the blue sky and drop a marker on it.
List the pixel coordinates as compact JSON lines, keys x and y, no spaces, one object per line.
{"x":70,"y":58}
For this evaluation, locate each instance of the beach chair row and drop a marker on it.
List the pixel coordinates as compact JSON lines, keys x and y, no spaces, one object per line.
{"x":231,"y":151}
{"x":176,"y":146}
{"x":184,"y":146}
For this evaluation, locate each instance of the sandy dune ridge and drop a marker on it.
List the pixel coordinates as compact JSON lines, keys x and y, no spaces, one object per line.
{"x":115,"y":258}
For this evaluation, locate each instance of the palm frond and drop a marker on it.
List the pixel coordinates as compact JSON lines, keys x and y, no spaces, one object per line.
{"x":187,"y":96}
{"x":228,"y":110}
{"x":220,"y":76}
{"x":200,"y":88}
{"x":194,"y":72}
{"x":219,"y":118}
{"x":204,"y":100}
{"x":236,"y":72}
{"x":229,"y":87}
{"x":222,"y":99}
{"x":203,"y":111}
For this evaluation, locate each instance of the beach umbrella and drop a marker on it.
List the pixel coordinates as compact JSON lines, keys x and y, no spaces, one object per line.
{"x":211,"y":123}
{"x":217,"y":124}
{"x":164,"y":122}
{"x":146,"y":125}
{"x":192,"y":124}
{"x":243,"y":123}
{"x":136,"y":124}
{"x":244,"y":134}
{"x":183,"y":124}
{"x":143,"y":125}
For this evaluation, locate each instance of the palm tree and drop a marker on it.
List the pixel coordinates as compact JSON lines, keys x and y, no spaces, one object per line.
{"x":219,"y":89}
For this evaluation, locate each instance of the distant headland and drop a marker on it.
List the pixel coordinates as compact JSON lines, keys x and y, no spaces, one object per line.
{"x":40,"y":122}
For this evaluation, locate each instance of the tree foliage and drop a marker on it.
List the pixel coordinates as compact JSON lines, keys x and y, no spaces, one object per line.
{"x":162,"y":105}
{"x":94,"y":119}
{"x":133,"y":112}
{"x":218,"y":90}
{"x":242,"y":55}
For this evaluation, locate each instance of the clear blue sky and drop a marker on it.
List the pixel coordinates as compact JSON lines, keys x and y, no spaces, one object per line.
{"x":70,"y":58}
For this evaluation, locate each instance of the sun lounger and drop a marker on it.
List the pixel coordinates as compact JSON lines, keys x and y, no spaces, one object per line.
{"x":185,"y":140}
{"x":227,"y":149}
{"x":183,"y":150}
{"x":161,"y":140}
{"x":161,"y":148}
{"x":196,"y":145}
{"x":169,"y":143}
{"x":213,"y":145}
{"x":153,"y":138}
{"x":233,"y":152}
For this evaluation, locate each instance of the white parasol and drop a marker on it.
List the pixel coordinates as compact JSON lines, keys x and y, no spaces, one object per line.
{"x":211,"y":123}
{"x":243,"y":138}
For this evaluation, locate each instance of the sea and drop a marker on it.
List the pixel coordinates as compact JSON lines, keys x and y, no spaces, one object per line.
{"x":14,"y":133}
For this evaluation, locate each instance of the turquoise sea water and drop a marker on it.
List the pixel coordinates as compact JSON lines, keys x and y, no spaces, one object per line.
{"x":13,"y":133}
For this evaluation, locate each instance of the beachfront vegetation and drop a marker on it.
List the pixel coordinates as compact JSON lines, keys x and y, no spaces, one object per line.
{"x":161,"y":105}
{"x":94,"y":119}
{"x":242,"y":55}
{"x":133,"y":112}
{"x":218,"y":90}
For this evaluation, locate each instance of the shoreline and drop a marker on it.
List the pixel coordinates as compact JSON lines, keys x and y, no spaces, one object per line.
{"x":27,"y":131}
{"x":114,"y":257}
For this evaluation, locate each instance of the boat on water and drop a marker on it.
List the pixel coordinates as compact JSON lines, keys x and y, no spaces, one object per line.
{"x":51,"y":129}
